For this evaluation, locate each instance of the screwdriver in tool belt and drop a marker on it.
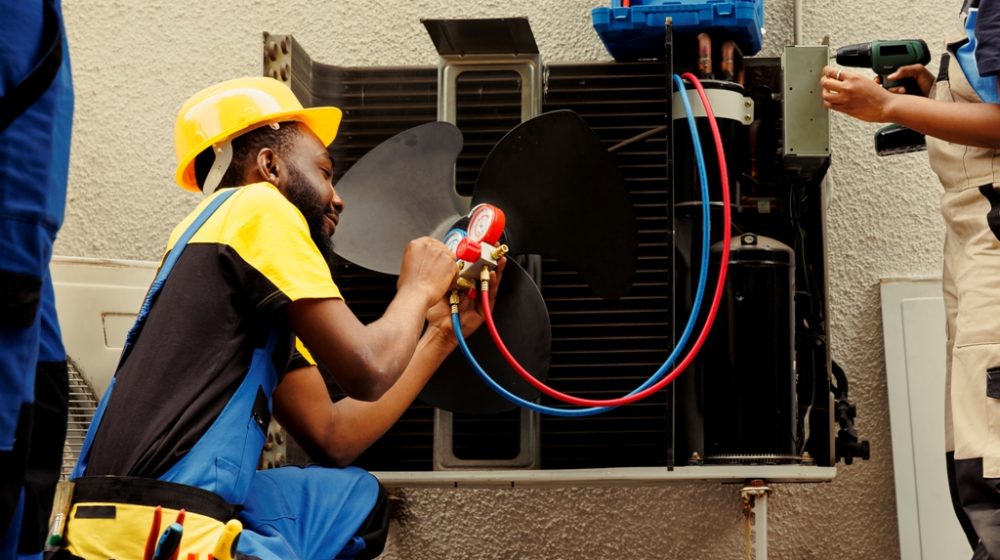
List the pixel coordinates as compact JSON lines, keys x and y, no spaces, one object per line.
{"x":154,"y":532}
{"x":169,"y":542}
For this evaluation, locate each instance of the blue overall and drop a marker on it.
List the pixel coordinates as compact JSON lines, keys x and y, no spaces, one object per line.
{"x":34,"y":160}
{"x":985,"y":86}
{"x":289,"y":512}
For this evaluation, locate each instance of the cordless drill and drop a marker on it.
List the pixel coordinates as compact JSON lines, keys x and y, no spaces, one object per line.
{"x":884,"y":58}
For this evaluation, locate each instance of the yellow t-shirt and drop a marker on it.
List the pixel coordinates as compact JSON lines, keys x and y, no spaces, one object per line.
{"x":221,"y":301}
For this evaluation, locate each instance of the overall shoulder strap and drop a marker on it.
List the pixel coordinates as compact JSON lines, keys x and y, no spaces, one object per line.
{"x":167,"y":266}
{"x":23,"y":95}
{"x":133,"y":334}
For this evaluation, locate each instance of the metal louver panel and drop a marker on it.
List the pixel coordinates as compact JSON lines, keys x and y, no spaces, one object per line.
{"x":82,"y":405}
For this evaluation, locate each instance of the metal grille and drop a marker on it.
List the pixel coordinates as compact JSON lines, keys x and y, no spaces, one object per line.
{"x":82,"y":405}
{"x":600,"y":348}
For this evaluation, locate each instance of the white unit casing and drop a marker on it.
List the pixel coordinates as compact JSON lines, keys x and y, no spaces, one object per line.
{"x":913,"y":325}
{"x":97,"y":301}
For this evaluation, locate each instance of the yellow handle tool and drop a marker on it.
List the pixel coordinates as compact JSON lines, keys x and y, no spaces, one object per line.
{"x":225,"y":549}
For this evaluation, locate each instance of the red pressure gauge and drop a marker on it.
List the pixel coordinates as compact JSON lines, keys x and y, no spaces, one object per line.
{"x":486,"y":223}
{"x":468,"y":250}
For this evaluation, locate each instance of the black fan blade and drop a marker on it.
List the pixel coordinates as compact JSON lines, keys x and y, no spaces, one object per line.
{"x":401,"y":190}
{"x":523,"y":323}
{"x":564,"y":198}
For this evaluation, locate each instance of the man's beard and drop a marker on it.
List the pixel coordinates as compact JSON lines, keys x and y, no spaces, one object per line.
{"x":308,"y":202}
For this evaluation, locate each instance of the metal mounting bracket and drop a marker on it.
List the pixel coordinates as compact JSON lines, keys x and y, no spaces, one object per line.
{"x":486,"y":45}
{"x":753,"y":498}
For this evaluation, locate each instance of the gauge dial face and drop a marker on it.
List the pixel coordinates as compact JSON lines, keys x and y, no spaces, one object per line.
{"x":453,"y":238}
{"x":480,"y":222}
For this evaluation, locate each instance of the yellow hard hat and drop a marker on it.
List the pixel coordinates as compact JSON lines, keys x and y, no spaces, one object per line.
{"x":224,"y":111}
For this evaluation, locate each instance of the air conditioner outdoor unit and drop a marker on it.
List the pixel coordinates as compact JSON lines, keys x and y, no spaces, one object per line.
{"x":600,"y":348}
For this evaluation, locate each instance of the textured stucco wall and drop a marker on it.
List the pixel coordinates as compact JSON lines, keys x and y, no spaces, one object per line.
{"x":135,"y":62}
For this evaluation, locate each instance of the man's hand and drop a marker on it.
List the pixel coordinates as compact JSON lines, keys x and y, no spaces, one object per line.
{"x":470,"y":314}
{"x":854,"y":95}
{"x":343,"y":430}
{"x":923,"y":76}
{"x":428,"y":269}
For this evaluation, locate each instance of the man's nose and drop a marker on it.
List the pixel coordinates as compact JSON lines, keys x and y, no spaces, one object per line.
{"x":338,"y":203}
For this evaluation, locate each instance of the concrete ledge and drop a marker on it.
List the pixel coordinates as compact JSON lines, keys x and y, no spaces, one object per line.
{"x":627,"y":476}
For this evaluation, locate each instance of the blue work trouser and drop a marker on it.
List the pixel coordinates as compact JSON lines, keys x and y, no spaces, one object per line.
{"x":34,"y":156}
{"x":304,"y":513}
{"x":289,"y":513}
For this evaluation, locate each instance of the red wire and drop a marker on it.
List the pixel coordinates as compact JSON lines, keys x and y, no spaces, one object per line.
{"x":716,"y":300}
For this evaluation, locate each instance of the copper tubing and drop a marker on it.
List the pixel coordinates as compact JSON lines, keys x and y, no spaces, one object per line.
{"x":732,"y":63}
{"x":704,"y":56}
{"x":727,"y":66}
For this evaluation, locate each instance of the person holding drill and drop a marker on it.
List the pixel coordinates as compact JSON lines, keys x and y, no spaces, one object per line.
{"x":245,"y":290}
{"x":959,"y":112}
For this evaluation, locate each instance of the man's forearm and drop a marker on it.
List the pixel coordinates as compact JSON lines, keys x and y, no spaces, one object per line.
{"x":970,"y":124}
{"x":367,"y":358}
{"x":392,"y":340}
{"x":357,"y":424}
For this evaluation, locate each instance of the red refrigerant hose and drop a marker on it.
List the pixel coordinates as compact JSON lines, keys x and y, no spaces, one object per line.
{"x":716,"y":299}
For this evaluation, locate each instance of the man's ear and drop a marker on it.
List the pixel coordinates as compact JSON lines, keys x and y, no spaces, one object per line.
{"x":271,"y":168}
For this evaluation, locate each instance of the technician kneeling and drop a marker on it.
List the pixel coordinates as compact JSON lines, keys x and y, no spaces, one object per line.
{"x":183,"y":423}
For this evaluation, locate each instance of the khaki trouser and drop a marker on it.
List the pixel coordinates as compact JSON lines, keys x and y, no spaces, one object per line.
{"x":971,"y":282}
{"x":970,"y":206}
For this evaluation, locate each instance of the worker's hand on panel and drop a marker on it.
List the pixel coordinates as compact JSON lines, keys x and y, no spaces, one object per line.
{"x":470,"y":312}
{"x":854,"y":95}
{"x":428,"y":270}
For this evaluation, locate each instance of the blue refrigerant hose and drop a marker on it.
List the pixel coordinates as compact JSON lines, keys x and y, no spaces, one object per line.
{"x":695,"y":309}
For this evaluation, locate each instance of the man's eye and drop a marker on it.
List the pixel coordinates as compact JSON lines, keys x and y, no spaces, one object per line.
{"x":327,"y":173}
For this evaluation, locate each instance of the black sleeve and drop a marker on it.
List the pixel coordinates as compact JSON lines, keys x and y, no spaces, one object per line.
{"x":988,"y":38}
{"x":297,"y":360}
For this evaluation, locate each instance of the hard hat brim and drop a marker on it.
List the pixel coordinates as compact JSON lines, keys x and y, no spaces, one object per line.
{"x":322,"y":121}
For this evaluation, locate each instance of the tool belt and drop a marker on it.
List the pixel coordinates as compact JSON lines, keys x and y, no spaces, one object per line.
{"x":113,"y":518}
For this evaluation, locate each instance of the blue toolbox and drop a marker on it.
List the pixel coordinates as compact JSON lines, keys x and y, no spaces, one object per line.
{"x":635,"y":30}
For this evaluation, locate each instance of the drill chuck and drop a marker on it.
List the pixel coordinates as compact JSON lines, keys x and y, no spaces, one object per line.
{"x":855,"y":56}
